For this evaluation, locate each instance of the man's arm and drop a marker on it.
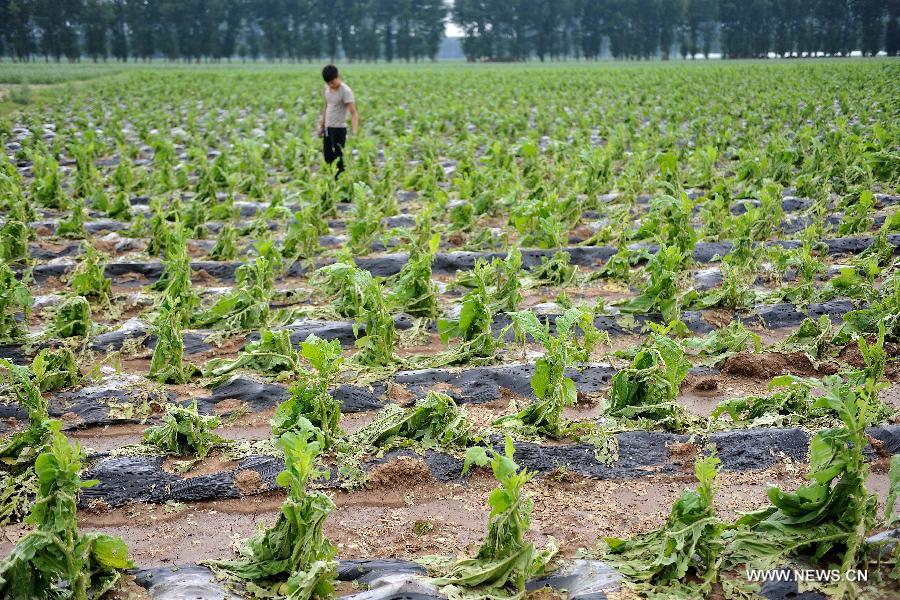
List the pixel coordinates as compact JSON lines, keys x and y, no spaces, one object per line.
{"x":322,"y":122}
{"x":354,"y":117}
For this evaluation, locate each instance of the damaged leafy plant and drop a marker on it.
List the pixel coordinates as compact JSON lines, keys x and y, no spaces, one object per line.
{"x":247,"y":306}
{"x":14,"y":241}
{"x":175,"y":281}
{"x":412,"y":289}
{"x":722,"y":343}
{"x":349,"y":288}
{"x":184,"y":431}
{"x":657,"y":564}
{"x":554,"y":390}
{"x":272,"y":354}
{"x":505,"y":560}
{"x":435,"y":422}
{"x":293,"y":558}
{"x":556,"y":270}
{"x":661,"y":291}
{"x":55,"y":368}
{"x":500,"y":278}
{"x":310,"y":399}
{"x":225,"y":247}
{"x":376,"y":347}
{"x":792,"y":403}
{"x":72,"y":318}
{"x":18,"y":481}
{"x":167,"y":363}
{"x":647,"y":389}
{"x":89,"y":279}
{"x":55,"y":560}
{"x":473,"y":328}
{"x":14,"y":298}
{"x":827,"y":518}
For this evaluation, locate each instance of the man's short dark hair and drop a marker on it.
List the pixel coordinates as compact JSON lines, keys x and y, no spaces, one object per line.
{"x":329,"y":73}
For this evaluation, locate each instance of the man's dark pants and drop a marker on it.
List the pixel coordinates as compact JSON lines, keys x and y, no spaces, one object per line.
{"x":334,"y":140}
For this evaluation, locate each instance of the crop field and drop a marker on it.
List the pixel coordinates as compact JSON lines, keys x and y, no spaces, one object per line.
{"x":566,"y":331}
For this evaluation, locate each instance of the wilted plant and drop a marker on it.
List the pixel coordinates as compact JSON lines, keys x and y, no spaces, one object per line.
{"x":353,"y":290}
{"x":120,"y":207}
{"x":184,"y":431}
{"x":247,"y":306}
{"x":73,"y":227}
{"x":435,"y":422}
{"x":412,"y":289}
{"x":46,"y":188}
{"x":86,"y":174}
{"x":55,"y":553}
{"x":366,"y":219}
{"x":554,"y":390}
{"x":473,"y":328}
{"x":89,"y":279}
{"x":73,"y":318}
{"x":272,"y":354}
{"x":310,"y":397}
{"x":661,"y":292}
{"x":556,"y":270}
{"x":18,"y":481}
{"x":831,"y":514}
{"x":225,"y":247}
{"x":648,"y":388}
{"x":722,"y":343}
{"x":293,"y":558}
{"x":505,"y":560}
{"x":167,"y":364}
{"x":175,"y":281}
{"x":14,"y":298}
{"x":669,"y":220}
{"x":660,"y":561}
{"x":55,"y":369}
{"x":376,"y":347}
{"x":302,"y":239}
{"x":13,"y":241}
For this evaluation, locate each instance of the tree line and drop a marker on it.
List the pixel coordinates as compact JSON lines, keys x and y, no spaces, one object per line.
{"x":633,"y":29}
{"x":222,"y":29}
{"x":413,"y":29}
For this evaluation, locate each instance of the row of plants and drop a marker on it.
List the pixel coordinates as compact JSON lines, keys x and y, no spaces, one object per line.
{"x":824,"y":521}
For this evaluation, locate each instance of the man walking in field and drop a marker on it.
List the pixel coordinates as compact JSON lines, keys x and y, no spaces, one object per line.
{"x":333,"y":126}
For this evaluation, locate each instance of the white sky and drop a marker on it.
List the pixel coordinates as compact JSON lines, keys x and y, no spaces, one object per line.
{"x":452,"y":30}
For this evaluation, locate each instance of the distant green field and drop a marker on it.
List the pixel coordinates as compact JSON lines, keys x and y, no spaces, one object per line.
{"x":50,"y":73}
